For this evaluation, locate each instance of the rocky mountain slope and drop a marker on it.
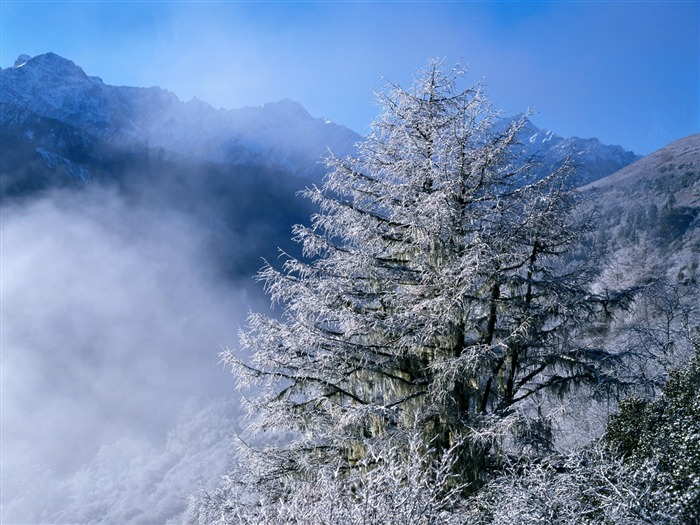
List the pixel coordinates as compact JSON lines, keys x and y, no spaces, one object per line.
{"x":592,"y":159}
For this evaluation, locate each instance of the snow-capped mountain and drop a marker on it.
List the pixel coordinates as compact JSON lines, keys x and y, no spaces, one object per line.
{"x":53,"y":94}
{"x":592,"y":159}
{"x":281,"y":135}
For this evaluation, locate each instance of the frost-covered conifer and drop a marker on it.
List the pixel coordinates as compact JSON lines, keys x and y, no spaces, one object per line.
{"x":433,"y":302}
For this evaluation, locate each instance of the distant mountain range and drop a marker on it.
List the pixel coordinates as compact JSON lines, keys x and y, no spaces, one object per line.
{"x":280,"y":135}
{"x":66,"y":122}
{"x":239,"y":170}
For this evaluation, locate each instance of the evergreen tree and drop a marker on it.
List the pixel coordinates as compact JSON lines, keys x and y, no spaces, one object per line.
{"x":433,"y":301}
{"x":661,"y":438}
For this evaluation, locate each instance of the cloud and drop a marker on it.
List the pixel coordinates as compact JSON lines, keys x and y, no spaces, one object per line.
{"x":112,"y":317}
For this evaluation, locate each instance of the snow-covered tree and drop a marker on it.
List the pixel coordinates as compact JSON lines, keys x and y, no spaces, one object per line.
{"x":434,"y":301}
{"x":383,"y":488}
{"x":665,"y":433}
{"x":658,"y":326}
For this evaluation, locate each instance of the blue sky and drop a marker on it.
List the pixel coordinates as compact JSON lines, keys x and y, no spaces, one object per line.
{"x":624,"y":72}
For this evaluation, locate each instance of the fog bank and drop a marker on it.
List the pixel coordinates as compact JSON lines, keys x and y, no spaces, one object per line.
{"x":112,"y":317}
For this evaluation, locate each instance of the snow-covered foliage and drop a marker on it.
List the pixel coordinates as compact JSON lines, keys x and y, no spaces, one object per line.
{"x":584,"y":487}
{"x":434,"y":300}
{"x":396,"y":482}
{"x":645,"y":471}
{"x":665,"y":433}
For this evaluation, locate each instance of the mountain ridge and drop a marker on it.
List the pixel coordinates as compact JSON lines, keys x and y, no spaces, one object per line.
{"x":685,"y":149}
{"x":592,"y":159}
{"x":280,"y":135}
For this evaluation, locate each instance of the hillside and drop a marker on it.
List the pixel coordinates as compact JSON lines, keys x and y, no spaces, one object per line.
{"x":654,"y":202}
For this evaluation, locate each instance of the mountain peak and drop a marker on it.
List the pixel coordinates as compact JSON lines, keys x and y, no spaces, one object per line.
{"x":287,"y":108}
{"x":54,"y":61}
{"x":21,"y":60}
{"x":49,"y":66}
